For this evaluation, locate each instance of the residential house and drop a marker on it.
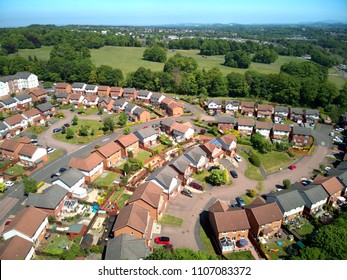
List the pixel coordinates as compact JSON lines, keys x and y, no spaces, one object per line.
{"x":289,"y":201}
{"x":134,"y":220}
{"x":76,"y":99}
{"x":3,"y":130}
{"x":90,"y":100}
{"x":30,"y":224}
{"x":144,"y":96}
{"x":4,"y":89}
{"x":91,"y":89}
{"x":78,"y":88}
{"x":18,"y":82}
{"x":104,"y":91}
{"x":175,"y":109}
{"x":130,"y":107}
{"x":280,"y":132}
{"x":166,"y":178}
{"x":225,"y":122}
{"x":182,"y":132}
{"x":232,"y":106}
{"x":31,"y":155}
{"x":301,"y":136}
{"x":182,"y":165}
{"x":130,"y":93}
{"x":265,"y":219}
{"x":9,"y":103}
{"x":116,"y":92}
{"x":73,"y":180}
{"x":315,"y":197}
{"x":149,"y":196}
{"x":245,"y":126}
{"x":164,"y":104}
{"x":214,"y":153}
{"x":311,"y":115}
{"x":106,"y":103}
{"x":297,"y":115}
{"x":229,"y":226}
{"x":333,"y":187}
{"x":50,"y":201}
{"x":140,"y":115}
{"x":227,"y":143}
{"x":129,"y":143}
{"x":119,"y":105}
{"x":264,"y":128}
{"x":265,"y":111}
{"x":76,"y":230}
{"x":47,"y":110}
{"x":247,"y":109}
{"x":92,"y":166}
{"x":16,"y":124}
{"x":167,"y":125}
{"x":198,"y":158}
{"x":17,"y":248}
{"x":63,"y":97}
{"x":10,"y":147}
{"x":157,"y":98}
{"x":214,"y":106}
{"x":63,"y":87}
{"x":281,"y":113}
{"x":126,"y":247}
{"x":38,"y":95}
{"x":111,"y":152}
{"x":147,"y":136}
{"x":24,"y":100}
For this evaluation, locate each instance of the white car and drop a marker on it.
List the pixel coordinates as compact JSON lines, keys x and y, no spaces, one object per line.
{"x":9,"y":183}
{"x":238,"y":158}
{"x":50,"y":150}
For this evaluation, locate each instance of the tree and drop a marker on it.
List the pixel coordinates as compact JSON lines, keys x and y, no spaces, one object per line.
{"x":122,"y":119}
{"x":237,"y":59}
{"x":83,"y":131}
{"x":252,"y":192}
{"x":255,"y":160}
{"x":2,"y":187}
{"x":74,"y":120}
{"x":100,"y":110}
{"x":63,"y":129}
{"x":127,"y":168}
{"x":127,"y":130}
{"x":265,"y":56}
{"x":69,"y":133}
{"x":260,"y":143}
{"x":260,"y":187}
{"x":109,"y":124}
{"x":155,"y":53}
{"x":287,"y":184}
{"x":30,"y":186}
{"x":217,"y":177}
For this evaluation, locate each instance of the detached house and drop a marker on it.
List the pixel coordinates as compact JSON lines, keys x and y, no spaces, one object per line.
{"x":18,"y":82}
{"x":311,"y":115}
{"x":3,"y":130}
{"x":63,"y":97}
{"x":232,"y":106}
{"x":334,"y":188}
{"x":140,"y":115}
{"x":147,"y":136}
{"x":297,"y":115}
{"x":111,"y":152}
{"x":106,"y":103}
{"x":227,"y":142}
{"x":247,"y":109}
{"x":63,"y":87}
{"x":182,"y":132}
{"x":130,"y":93}
{"x":130,"y":107}
{"x":265,"y":219}
{"x":73,"y":180}
{"x":301,"y":136}
{"x":315,"y":197}
{"x":167,"y":125}
{"x":175,"y":109}
{"x":116,"y":92}
{"x":264,"y":128}
{"x":78,"y":88}
{"x":50,"y":201}
{"x":31,"y":155}
{"x":281,"y":132}
{"x":144,"y":96}
{"x":16,"y":124}
{"x":24,"y":100}
{"x":119,"y":105}
{"x":91,"y":89}
{"x":129,"y":143}
{"x":228,"y":225}
{"x":76,"y":99}
{"x":11,"y":147}
{"x":214,"y":153}
{"x":164,"y":104}
{"x":281,"y":113}
{"x":38,"y":95}
{"x":104,"y":91}
{"x":265,"y":111}
{"x":225,"y":122}
{"x":150,"y":196}
{"x":91,"y":166}
{"x":47,"y":109}
{"x":9,"y":103}
{"x":90,"y":100}
{"x":182,"y":165}
{"x":245,"y":126}
{"x":166,"y":178}
{"x":197,"y":156}
{"x":214,"y":106}
{"x":157,"y":98}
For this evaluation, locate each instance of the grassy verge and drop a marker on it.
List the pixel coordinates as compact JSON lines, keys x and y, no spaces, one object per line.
{"x":251,"y":172}
{"x":56,"y":154}
{"x":170,"y":220}
{"x":37,"y":129}
{"x":206,"y":241}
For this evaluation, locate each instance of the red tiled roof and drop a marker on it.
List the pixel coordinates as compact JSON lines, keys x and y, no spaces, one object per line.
{"x":32,"y":112}
{"x":38,"y":92}
{"x":28,"y":150}
{"x":265,"y":107}
{"x":9,"y":145}
{"x":218,"y":206}
{"x":264,"y":214}
{"x":109,"y":149}
{"x":103,"y":88}
{"x":127,"y":140}
{"x":332,"y":186}
{"x":282,"y":127}
{"x":263,"y":125}
{"x":228,"y":138}
{"x":86,"y":164}
{"x":245,"y":122}
{"x":247,"y":104}
{"x":15,"y":248}
{"x":61,"y":85}
{"x":14,"y":119}
{"x":235,"y":219}
{"x":149,"y":192}
{"x":167,"y":101}
{"x":180,"y":127}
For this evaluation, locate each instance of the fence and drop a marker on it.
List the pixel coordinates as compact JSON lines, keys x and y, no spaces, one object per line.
{"x":257,"y":247}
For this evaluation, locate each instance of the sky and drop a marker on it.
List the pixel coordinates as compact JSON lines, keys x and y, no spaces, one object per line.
{"x":14,"y":13}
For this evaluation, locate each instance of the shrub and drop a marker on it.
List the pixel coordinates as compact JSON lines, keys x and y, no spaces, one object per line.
{"x":287,"y":184}
{"x":255,"y":160}
{"x":252,"y":193}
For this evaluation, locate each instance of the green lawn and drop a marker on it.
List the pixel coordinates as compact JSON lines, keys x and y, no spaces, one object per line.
{"x":122,"y":199}
{"x":248,"y":199}
{"x":57,"y":246}
{"x":56,"y":154}
{"x":116,"y":194}
{"x":159,"y":148}
{"x":338,"y":81}
{"x":243,"y":255}
{"x":4,"y":162}
{"x":305,"y":229}
{"x":91,"y":111}
{"x":279,"y":252}
{"x":15,"y":170}
{"x":37,"y":129}
{"x":41,"y":53}
{"x":207,"y":242}
{"x":143,"y":155}
{"x":171,"y":220}
{"x":106,"y":178}
{"x":251,"y":172}
{"x":93,"y":125}
{"x":201,"y":177}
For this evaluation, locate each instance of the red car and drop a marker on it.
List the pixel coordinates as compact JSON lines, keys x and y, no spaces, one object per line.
{"x":292,"y":167}
{"x":196,"y":186}
{"x":145,"y":127}
{"x":162,"y":240}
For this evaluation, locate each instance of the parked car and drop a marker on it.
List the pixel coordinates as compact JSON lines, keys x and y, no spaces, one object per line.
{"x":169,"y":247}
{"x":196,"y":186}
{"x":238,"y":158}
{"x":62,"y":170}
{"x":292,"y":167}
{"x":240,"y":201}
{"x":50,"y":150}
{"x":9,"y":183}
{"x":233,"y":173}
{"x":55,"y":175}
{"x":146,"y":126}
{"x":332,"y":134}
{"x":155,"y":125}
{"x":187,"y":192}
{"x":305,"y":182}
{"x":162,"y":240}
{"x":56,"y":130}
{"x":66,"y":124}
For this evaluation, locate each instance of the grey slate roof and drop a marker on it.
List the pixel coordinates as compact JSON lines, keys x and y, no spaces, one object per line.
{"x":181,"y":163}
{"x":138,"y":111}
{"x":312,"y":112}
{"x":297,"y":111}
{"x":62,"y":95}
{"x":194,"y":154}
{"x":71,"y":177}
{"x":78,"y":85}
{"x":167,"y":122}
{"x":313,"y":194}
{"x":164,"y":176}
{"x":119,"y":102}
{"x":288,"y":199}
{"x":129,"y":90}
{"x":22,"y":96}
{"x":232,"y":102}
{"x":129,"y":107}
{"x":141,"y":134}
{"x":217,"y":101}
{"x":143,"y":93}
{"x":3,"y":126}
{"x":44,"y":107}
{"x":226,"y":119}
{"x":49,"y":199}
{"x":281,"y":109}
{"x":300,"y":130}
{"x":22,"y":75}
{"x":156,"y":95}
{"x":126,"y":247}
{"x":9,"y":100}
{"x":90,"y":87}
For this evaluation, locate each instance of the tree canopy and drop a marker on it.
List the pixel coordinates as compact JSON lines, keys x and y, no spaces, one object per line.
{"x":155,"y":53}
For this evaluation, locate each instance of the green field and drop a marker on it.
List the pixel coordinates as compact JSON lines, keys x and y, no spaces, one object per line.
{"x":41,"y":53}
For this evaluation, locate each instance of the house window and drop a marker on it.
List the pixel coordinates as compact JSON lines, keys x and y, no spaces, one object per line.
{"x":224,"y":233}
{"x":234,"y":231}
{"x":233,"y":238}
{"x":243,"y":230}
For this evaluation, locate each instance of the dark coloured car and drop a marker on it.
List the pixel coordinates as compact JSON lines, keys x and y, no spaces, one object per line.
{"x":162,"y":240}
{"x":54,"y":175}
{"x":196,"y":186}
{"x":233,"y":173}
{"x":187,"y":192}
{"x":62,"y":170}
{"x":56,"y":130}
{"x":240,"y":201}
{"x":66,"y":125}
